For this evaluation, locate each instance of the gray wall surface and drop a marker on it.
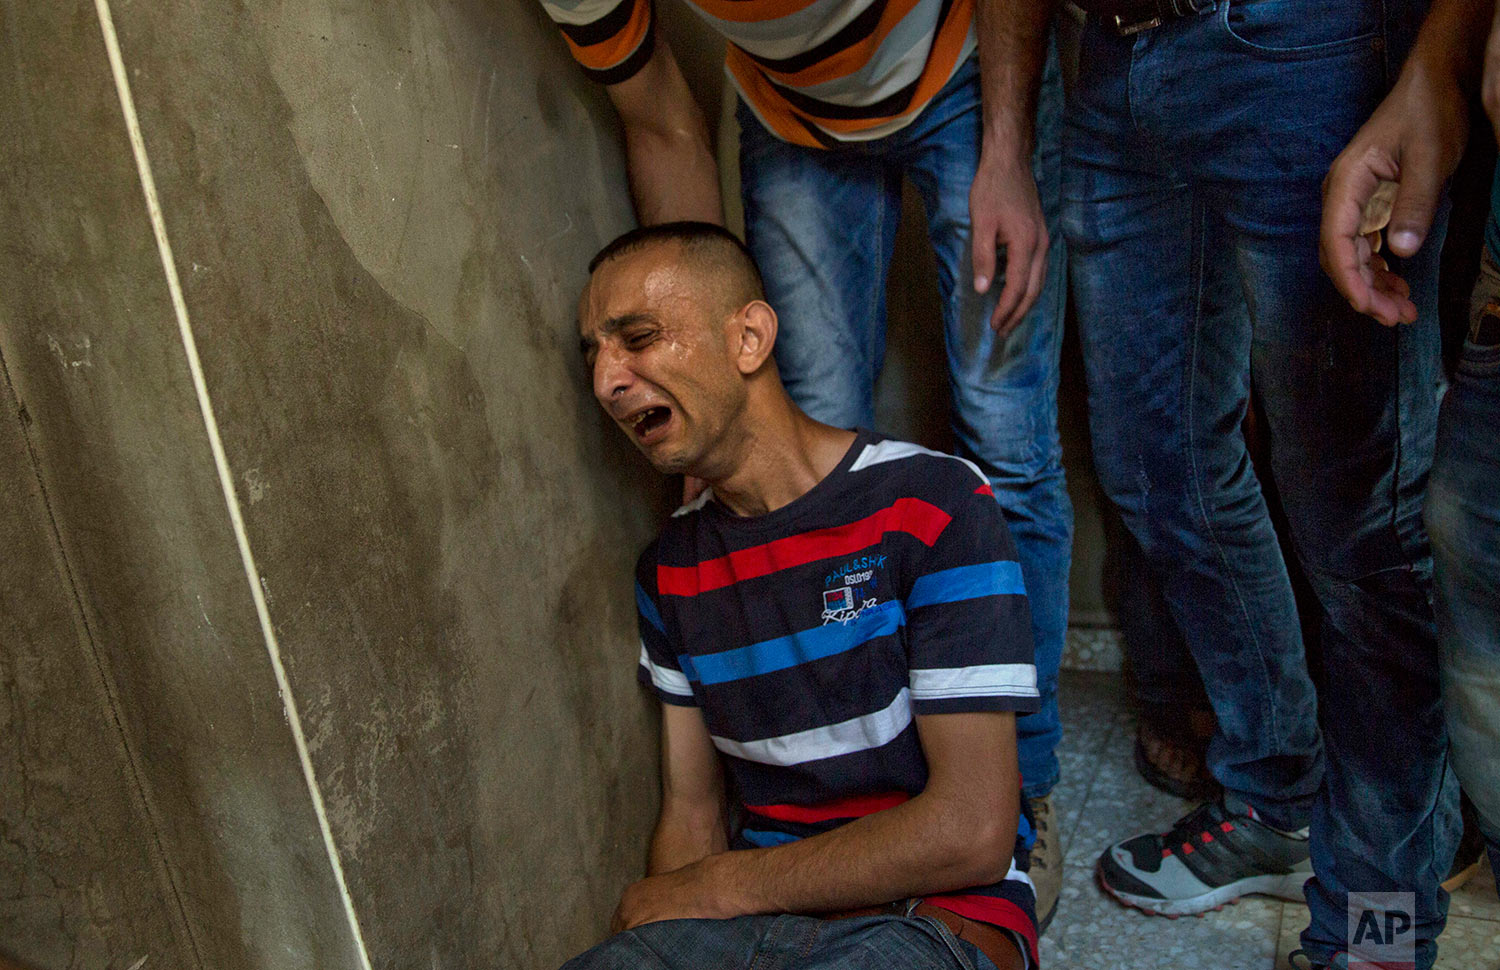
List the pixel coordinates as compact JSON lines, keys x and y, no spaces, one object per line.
{"x":379,"y":216}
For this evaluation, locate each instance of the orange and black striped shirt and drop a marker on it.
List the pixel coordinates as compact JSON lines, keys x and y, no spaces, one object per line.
{"x":815,"y":72}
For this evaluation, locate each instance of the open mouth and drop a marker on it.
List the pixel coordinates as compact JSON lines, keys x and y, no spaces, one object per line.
{"x":649,"y":421}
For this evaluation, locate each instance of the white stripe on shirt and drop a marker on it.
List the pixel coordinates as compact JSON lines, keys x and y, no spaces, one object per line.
{"x":666,"y":679}
{"x":884,"y":451}
{"x":847,"y":737}
{"x":981,"y":680}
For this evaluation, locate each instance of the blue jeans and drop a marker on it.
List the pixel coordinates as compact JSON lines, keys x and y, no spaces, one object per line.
{"x":785,"y":943}
{"x":1194,"y":153}
{"x":1463,"y":515}
{"x":822,"y":227}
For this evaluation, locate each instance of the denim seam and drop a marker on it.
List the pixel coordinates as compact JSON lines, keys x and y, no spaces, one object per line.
{"x":1199,"y":274}
{"x":937,"y":928}
{"x":767,"y":943}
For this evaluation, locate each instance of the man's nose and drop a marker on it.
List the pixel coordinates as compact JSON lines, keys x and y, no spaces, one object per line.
{"x":611,"y":375}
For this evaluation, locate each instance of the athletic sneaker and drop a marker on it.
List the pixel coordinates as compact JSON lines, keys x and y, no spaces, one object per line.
{"x":1214,"y":855}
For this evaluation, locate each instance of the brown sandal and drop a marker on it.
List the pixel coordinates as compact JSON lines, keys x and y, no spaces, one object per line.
{"x":1176,"y":741}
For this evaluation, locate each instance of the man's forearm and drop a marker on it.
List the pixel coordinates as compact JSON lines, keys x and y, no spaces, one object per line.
{"x":914,"y":849}
{"x":683,"y":838}
{"x":673,"y":172}
{"x":673,"y":175}
{"x":1012,"y":52}
{"x":1450,"y":45}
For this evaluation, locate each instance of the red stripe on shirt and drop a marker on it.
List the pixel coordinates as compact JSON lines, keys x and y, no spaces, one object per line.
{"x":995,"y":911}
{"x":857,"y":806}
{"x":913,"y":516}
{"x":985,"y":490}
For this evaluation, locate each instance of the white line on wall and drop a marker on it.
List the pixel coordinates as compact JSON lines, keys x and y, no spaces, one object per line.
{"x":226,"y":479}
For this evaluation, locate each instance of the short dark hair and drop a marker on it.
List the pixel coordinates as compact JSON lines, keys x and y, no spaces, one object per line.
{"x":704,"y":239}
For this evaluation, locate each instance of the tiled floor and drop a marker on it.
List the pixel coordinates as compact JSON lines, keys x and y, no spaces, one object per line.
{"x":1101,"y":799}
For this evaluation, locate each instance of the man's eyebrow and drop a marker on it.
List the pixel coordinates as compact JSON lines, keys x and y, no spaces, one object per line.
{"x":616,"y":324}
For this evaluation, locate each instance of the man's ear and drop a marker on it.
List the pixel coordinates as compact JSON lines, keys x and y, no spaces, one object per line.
{"x":757,"y":333}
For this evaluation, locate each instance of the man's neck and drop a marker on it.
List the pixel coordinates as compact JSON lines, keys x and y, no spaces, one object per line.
{"x":782,"y":455}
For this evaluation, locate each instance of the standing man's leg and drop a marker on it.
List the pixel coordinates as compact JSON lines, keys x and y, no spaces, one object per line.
{"x":1005,"y":406}
{"x":1168,"y":382}
{"x":821,"y":225}
{"x":1351,"y":411}
{"x":1463,"y":515}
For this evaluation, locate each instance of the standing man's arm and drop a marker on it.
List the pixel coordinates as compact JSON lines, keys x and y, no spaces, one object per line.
{"x":673,"y":174}
{"x":1003,"y":204}
{"x":1414,"y":139}
{"x":959,"y":832}
{"x":694,"y":822}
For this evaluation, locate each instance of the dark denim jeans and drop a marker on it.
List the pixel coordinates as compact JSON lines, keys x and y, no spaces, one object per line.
{"x":1463,"y":514}
{"x":1194,"y":152}
{"x":785,"y":943}
{"x":822,"y":226}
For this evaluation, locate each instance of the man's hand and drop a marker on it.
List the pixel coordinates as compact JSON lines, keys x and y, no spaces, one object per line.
{"x":1414,"y":139}
{"x":682,"y":894}
{"x":1004,"y":211}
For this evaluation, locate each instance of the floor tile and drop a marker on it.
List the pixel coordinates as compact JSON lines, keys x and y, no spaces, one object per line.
{"x":1092,"y":649}
{"x":1293,"y":922}
{"x":1091,"y":705}
{"x":1477,"y":899}
{"x":1120,"y":804}
{"x":1469,"y":944}
{"x":1093,"y":932}
{"x":1071,"y":793}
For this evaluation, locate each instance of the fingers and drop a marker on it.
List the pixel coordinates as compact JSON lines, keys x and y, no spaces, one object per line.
{"x":1389,"y":299}
{"x":1025,"y":274}
{"x":983,"y":234}
{"x":1035,"y":275}
{"x":1351,"y":183}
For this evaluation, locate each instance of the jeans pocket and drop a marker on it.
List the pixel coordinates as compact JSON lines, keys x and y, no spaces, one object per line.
{"x":1289,"y":30}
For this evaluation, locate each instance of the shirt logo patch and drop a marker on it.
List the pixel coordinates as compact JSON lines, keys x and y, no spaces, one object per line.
{"x":856,"y":578}
{"x":839,"y":605}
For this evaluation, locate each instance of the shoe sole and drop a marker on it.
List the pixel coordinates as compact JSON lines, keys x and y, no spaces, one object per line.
{"x":1288,"y":887}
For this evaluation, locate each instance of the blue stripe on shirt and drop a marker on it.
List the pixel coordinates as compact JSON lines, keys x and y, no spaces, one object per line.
{"x":648,"y":609}
{"x":798,"y":648}
{"x":966,"y":583}
{"x":767,"y":839}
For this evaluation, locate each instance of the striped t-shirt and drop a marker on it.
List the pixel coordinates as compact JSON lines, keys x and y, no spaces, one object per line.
{"x":809,"y":637}
{"x":815,"y":72}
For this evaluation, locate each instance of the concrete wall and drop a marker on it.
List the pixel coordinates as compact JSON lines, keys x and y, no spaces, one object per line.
{"x":379,"y":216}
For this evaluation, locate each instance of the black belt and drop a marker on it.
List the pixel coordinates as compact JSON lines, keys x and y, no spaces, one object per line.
{"x":1133,"y":16}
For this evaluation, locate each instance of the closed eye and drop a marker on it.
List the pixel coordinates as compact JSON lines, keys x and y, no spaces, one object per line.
{"x":640,"y":339}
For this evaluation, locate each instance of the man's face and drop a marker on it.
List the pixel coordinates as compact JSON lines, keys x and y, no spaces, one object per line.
{"x":655,"y":344}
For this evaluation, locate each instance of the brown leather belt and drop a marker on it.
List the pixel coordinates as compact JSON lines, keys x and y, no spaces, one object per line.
{"x":992,"y":941}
